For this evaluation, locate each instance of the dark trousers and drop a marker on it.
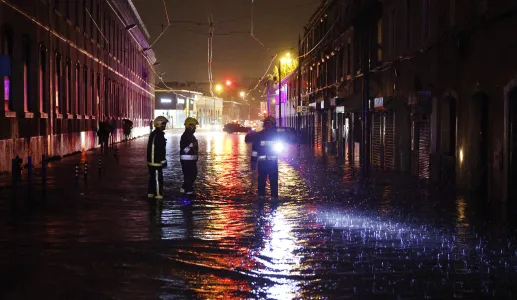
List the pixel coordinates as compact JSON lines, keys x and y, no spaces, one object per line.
{"x":104,"y":143}
{"x":152,"y":181}
{"x":189,"y":168}
{"x":268,"y":169}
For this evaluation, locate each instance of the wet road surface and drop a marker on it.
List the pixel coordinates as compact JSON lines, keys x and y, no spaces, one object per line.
{"x":332,"y":235}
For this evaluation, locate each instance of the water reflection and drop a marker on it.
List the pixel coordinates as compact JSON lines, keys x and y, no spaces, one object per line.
{"x":332,"y":235}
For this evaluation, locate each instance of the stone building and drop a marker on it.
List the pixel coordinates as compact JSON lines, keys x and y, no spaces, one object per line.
{"x":440,"y":87}
{"x":66,"y":66}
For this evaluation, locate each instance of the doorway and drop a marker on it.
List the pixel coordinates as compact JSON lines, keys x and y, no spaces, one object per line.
{"x":480,"y":141}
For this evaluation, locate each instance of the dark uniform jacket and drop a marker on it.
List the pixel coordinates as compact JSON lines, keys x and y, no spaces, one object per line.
{"x":188,"y":146}
{"x":263,"y":146}
{"x":156,"y":149}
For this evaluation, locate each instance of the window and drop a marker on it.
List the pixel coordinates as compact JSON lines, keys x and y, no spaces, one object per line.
{"x":26,"y":71}
{"x":85,"y":28}
{"x":393,"y":32}
{"x":68,"y":85}
{"x":77,"y":4}
{"x":452,"y":12}
{"x":68,"y":9}
{"x":41,"y":80}
{"x":98,"y":21}
{"x":379,"y":40}
{"x":90,"y":16}
{"x":86,"y":105}
{"x":481,"y":7}
{"x":7,"y":49}
{"x":77,"y":89}
{"x":348,"y":59}
{"x":96,"y":109}
{"x":408,"y":23}
{"x":57,"y":83}
{"x":426,"y":26}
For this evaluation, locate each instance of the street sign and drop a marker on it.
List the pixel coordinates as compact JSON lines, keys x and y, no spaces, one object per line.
{"x":302,"y":109}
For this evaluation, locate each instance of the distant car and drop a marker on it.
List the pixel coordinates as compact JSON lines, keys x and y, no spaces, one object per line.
{"x":236,"y":127}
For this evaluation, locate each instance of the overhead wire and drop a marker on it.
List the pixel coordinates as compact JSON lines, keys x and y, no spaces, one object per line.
{"x":100,"y":31}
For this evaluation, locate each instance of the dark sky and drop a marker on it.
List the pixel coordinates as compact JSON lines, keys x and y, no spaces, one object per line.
{"x":182,"y":50}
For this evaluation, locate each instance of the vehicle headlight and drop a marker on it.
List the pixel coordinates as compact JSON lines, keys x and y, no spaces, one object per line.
{"x":278,"y":147}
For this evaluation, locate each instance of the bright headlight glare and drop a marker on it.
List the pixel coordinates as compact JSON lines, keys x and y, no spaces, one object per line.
{"x":278,"y":147}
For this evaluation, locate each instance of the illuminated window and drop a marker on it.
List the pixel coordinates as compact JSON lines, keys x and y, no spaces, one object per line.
{"x":7,"y":49}
{"x":26,"y":66}
{"x":96,"y":107}
{"x":57,"y":82}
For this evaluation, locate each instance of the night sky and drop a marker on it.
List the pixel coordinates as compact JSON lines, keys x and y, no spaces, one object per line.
{"x":182,"y":50}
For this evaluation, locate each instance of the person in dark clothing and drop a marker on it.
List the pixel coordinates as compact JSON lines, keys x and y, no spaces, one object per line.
{"x":189,"y":156}
{"x":104,"y":131}
{"x":156,"y":157}
{"x":264,"y":155}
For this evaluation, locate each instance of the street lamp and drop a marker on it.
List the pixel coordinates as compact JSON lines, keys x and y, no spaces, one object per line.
{"x":218,"y":88}
{"x":242,"y":94}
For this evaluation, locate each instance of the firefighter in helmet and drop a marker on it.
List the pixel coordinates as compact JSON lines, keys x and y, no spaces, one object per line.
{"x":189,"y":156}
{"x":156,"y":157}
{"x":264,"y":155}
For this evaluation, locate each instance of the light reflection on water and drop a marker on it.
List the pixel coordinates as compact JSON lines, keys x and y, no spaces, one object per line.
{"x":330,"y":236}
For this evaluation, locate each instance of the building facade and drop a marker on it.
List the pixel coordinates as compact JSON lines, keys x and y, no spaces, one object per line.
{"x":177,"y":105}
{"x":68,"y":65}
{"x":437,"y":79}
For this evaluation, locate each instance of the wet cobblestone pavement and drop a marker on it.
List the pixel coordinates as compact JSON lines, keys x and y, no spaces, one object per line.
{"x":332,"y":235}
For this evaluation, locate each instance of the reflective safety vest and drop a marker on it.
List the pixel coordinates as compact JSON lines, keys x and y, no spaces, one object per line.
{"x":263,"y":146}
{"x":156,"y":149}
{"x":188,"y":147}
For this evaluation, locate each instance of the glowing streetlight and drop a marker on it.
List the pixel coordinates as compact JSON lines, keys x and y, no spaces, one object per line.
{"x":242,"y":94}
{"x":219,"y":88}
{"x":228,"y":82}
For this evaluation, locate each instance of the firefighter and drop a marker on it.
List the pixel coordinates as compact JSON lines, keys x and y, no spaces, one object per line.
{"x":156,"y":157}
{"x":189,"y":156}
{"x":265,"y":156}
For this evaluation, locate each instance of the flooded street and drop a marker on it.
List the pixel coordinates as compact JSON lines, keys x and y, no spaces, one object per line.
{"x":331,"y":235}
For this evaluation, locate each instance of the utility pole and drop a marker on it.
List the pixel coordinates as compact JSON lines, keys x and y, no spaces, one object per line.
{"x":365,"y":147}
{"x":299,"y":84}
{"x":268,"y":99}
{"x":280,"y":93}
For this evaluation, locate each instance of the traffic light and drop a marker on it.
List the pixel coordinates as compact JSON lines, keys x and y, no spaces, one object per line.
{"x":228,"y":82}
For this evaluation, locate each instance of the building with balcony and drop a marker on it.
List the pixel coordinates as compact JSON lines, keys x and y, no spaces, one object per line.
{"x":66,"y":66}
